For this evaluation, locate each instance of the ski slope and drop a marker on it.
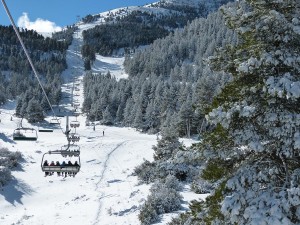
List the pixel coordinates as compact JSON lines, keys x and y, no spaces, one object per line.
{"x":104,"y":191}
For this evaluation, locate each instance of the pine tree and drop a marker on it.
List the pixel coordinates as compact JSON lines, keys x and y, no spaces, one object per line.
{"x":19,"y":106}
{"x":34,"y":111}
{"x":167,"y":145}
{"x":186,"y":116}
{"x":107,"y":118}
{"x":257,"y":116}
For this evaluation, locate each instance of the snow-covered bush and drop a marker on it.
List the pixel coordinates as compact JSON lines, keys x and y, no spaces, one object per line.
{"x":173,"y":183}
{"x":5,"y":175}
{"x":148,"y":214}
{"x":162,"y":199}
{"x":8,"y":160}
{"x":146,"y":172}
{"x":201,"y":186}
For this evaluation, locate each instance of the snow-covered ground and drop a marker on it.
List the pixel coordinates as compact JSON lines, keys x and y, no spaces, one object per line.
{"x":104,"y":191}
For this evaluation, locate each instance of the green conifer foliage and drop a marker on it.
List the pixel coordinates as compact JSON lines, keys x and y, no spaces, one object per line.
{"x":258,"y":113}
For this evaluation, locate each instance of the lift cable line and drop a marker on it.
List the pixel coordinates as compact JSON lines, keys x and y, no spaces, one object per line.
{"x":29,"y":59}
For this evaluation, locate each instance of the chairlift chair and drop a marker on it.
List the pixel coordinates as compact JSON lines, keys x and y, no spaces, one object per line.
{"x":25,"y":134}
{"x":54,"y":121}
{"x":74,"y":124}
{"x":45,"y":130}
{"x":60,"y":169}
{"x":76,"y":113}
{"x":73,"y":137}
{"x":70,"y":150}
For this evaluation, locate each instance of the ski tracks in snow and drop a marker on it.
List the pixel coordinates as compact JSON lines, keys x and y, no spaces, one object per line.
{"x":97,"y":188}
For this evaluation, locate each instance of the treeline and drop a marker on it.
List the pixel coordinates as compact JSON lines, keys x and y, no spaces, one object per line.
{"x":130,"y":29}
{"x":180,"y":55}
{"x":107,"y":38}
{"x":166,"y":85}
{"x":66,"y":35}
{"x":16,"y":76}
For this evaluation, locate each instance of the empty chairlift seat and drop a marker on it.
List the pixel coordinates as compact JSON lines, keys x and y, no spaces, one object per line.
{"x":25,"y":134}
{"x":54,"y":121}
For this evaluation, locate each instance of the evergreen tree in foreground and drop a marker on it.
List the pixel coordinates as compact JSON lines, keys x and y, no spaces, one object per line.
{"x":256,"y":141}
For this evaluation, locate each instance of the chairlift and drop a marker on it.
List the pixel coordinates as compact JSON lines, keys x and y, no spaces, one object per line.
{"x":25,"y":134}
{"x":76,"y":113}
{"x":67,"y":169}
{"x":70,"y":150}
{"x":73,"y":137}
{"x":54,"y":121}
{"x":74,"y":124}
{"x":45,"y":130}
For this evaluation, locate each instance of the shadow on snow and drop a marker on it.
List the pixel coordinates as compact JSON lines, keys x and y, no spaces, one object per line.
{"x":14,"y":191}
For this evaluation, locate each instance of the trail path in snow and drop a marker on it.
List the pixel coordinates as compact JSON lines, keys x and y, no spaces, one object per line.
{"x":98,"y":187}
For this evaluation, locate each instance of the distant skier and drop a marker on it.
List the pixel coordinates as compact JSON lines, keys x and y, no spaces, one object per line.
{"x":103,"y":133}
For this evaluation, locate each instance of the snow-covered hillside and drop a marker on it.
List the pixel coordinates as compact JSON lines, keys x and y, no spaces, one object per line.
{"x":104,"y":191}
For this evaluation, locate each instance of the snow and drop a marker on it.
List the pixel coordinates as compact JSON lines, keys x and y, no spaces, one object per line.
{"x":104,"y":191}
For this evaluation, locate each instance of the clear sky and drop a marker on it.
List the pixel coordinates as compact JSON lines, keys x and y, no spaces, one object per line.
{"x":54,"y":14}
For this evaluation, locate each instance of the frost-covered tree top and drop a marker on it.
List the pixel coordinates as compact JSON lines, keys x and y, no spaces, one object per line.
{"x":260,"y":107}
{"x":259,"y":113}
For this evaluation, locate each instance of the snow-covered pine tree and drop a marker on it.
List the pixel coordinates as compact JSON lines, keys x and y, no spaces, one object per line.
{"x":257,"y":115}
{"x":107,"y":117}
{"x":34,"y":111}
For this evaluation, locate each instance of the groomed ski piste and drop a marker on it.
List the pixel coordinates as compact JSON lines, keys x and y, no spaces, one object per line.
{"x":104,"y":191}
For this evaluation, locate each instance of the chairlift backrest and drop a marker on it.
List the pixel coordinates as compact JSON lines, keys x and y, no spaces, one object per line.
{"x":25,"y":134}
{"x":73,"y":137}
{"x":74,"y":124}
{"x":70,"y":150}
{"x":54,"y":121}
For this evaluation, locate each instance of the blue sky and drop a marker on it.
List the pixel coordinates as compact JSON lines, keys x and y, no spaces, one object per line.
{"x":59,"y":13}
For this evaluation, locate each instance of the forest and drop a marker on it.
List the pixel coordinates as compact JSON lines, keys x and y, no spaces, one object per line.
{"x":243,"y":81}
{"x":17,"y":80}
{"x":248,"y":161}
{"x":229,"y":80}
{"x":166,"y":82}
{"x":131,"y":29}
